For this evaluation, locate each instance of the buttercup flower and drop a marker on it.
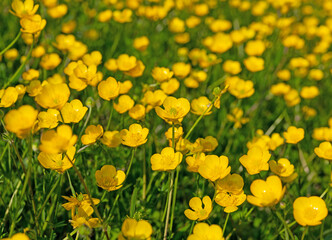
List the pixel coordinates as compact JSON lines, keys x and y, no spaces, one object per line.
{"x":57,"y":141}
{"x":92,"y":134}
{"x":324,"y":150}
{"x":266,"y":193}
{"x":72,"y":112}
{"x":125,"y":103}
{"x":161,"y":74}
{"x":58,"y":162}
{"x":48,"y":119}
{"x":20,"y":121}
{"x":309,"y":211}
{"x":137,"y":112}
{"x":50,"y":61}
{"x":254,"y":64}
{"x":256,"y":160}
{"x":174,"y":109}
{"x":214,"y":167}
{"x":24,"y":9}
{"x":135,"y":230}
{"x":294,"y":135}
{"x":83,"y":217}
{"x":204,"y":231}
{"x":17,"y":236}
{"x":166,"y":160}
{"x":283,"y":168}
{"x":109,"y":178}
{"x":126,"y":62}
{"x":198,"y":212}
{"x":108,"y":89}
{"x":32,"y":24}
{"x":135,"y":137}
{"x":53,"y":96}
{"x":181,"y":69}
{"x":111,"y":139}
{"x":8,"y":97}
{"x":141,"y":43}
{"x":199,"y":105}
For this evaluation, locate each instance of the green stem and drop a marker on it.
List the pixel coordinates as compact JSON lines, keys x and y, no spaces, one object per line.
{"x":18,"y":71}
{"x":169,"y":201}
{"x":11,"y":44}
{"x":131,"y":161}
{"x":225,"y":224}
{"x":174,"y":197}
{"x":144,"y":174}
{"x":85,"y":123}
{"x":110,"y":117}
{"x":287,"y":230}
{"x":304,"y":232}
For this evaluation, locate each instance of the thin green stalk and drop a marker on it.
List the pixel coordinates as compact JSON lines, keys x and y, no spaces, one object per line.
{"x":130,"y":162}
{"x":20,"y":68}
{"x":169,"y":200}
{"x":288,"y":232}
{"x":174,"y":197}
{"x":49,"y":195}
{"x":191,"y":227}
{"x":144,"y":174}
{"x":71,"y":185}
{"x":225,"y":224}
{"x":304,"y":232}
{"x":110,"y":117}
{"x":85,"y":123}
{"x":12,"y":43}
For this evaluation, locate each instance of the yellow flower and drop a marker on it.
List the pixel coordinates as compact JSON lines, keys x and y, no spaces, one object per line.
{"x":214,"y":167}
{"x":174,"y":109}
{"x":57,"y":11}
{"x":280,"y":89}
{"x":48,"y":119}
{"x":135,"y":137}
{"x":126,"y":62}
{"x":105,"y":16}
{"x":266,"y":193}
{"x":111,"y":139}
{"x":206,"y":232}
{"x":161,"y":74}
{"x":283,"y":168}
{"x":195,"y":161}
{"x":125,"y":86}
{"x":154,"y":99}
{"x":255,"y":48}
{"x":237,"y":117}
{"x":57,"y":141}
{"x":181,"y":69}
{"x":294,"y":135}
{"x":176,"y":25}
{"x":109,"y":178}
{"x":178,"y":132}
{"x":240,"y":88}
{"x":199,"y":105}
{"x":125,"y":103}
{"x":198,"y":212}
{"x":141,"y":43}
{"x":137,"y":112}
{"x":284,"y":74}
{"x":11,"y":54}
{"x":137,"y":71}
{"x":324,"y":150}
{"x":58,"y":162}
{"x":8,"y":97}
{"x":166,"y":160}
{"x":122,"y":17}
{"x":53,"y":96}
{"x":207,"y":144}
{"x":108,"y":89}
{"x":20,"y":121}
{"x":17,"y":236}
{"x":83,"y":218}
{"x":254,"y":64}
{"x":94,"y":58}
{"x":292,"y":97}
{"x":170,"y":86}
{"x":309,"y":92}
{"x":72,"y":112}
{"x":24,"y":9}
{"x":256,"y":160}
{"x":92,"y":134}
{"x":135,"y":230}
{"x":78,"y":201}
{"x":232,"y":67}
{"x":309,"y":211}
{"x":31,"y":74}
{"x":32,"y":24}
{"x":229,"y":192}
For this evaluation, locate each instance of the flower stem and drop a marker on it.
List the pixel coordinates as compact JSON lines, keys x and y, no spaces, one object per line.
{"x":131,"y":161}
{"x":304,"y":232}
{"x":287,"y":230}
{"x":225,"y":224}
{"x":110,"y":117}
{"x":11,"y":44}
{"x":20,"y":68}
{"x":169,"y":201}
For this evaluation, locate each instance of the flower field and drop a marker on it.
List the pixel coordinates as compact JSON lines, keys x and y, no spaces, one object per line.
{"x":166,"y":119}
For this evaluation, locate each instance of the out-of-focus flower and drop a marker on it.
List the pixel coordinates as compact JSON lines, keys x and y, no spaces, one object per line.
{"x":237,"y":117}
{"x":254,"y":64}
{"x":266,"y":193}
{"x":109,"y":178}
{"x":181,"y":70}
{"x":309,"y":211}
{"x":8,"y":97}
{"x":24,"y":9}
{"x":48,"y":119}
{"x":204,"y":231}
{"x":135,"y":230}
{"x":198,"y":212}
{"x":57,"y":161}
{"x":161,"y":74}
{"x":111,"y":139}
{"x":294,"y":135}
{"x":108,"y":89}
{"x":200,"y":105}
{"x":53,"y":96}
{"x":125,"y":103}
{"x":17,"y":236}
{"x":141,"y":43}
{"x":324,"y":150}
{"x":92,"y":134}
{"x":20,"y":121}
{"x":195,"y":161}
